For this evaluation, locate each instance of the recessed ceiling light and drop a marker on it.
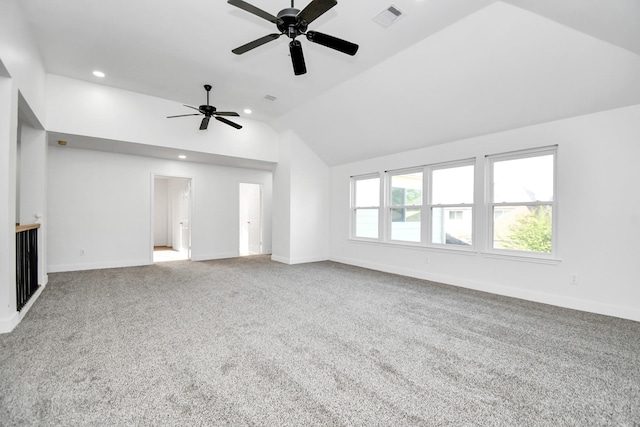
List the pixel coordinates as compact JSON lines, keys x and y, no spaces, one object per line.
{"x":98,"y":73}
{"x":182,"y":156}
{"x":247,"y":111}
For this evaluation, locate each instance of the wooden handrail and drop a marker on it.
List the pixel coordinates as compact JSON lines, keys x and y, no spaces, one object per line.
{"x":26,"y":227}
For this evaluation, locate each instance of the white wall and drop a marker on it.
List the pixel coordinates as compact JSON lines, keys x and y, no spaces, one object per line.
{"x":282,"y":203}
{"x":161,"y":210}
{"x":101,"y":202}
{"x":22,"y":80}
{"x":301,"y":203}
{"x":33,"y":185}
{"x":20,"y":56}
{"x":598,"y":228}
{"x":81,"y":108}
{"x":309,"y":222}
{"x":8,"y":129}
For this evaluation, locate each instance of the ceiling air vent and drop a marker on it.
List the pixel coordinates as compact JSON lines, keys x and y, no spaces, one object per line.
{"x":270,"y":97}
{"x":388,"y":16}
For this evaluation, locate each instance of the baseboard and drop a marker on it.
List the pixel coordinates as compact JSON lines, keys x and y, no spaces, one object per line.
{"x":278,"y":258}
{"x":7,"y":325}
{"x":302,"y":260}
{"x":96,"y":266}
{"x":31,"y":301}
{"x":209,"y":257}
{"x":541,"y":297}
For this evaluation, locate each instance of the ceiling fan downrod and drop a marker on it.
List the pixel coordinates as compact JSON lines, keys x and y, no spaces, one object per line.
{"x":208,"y":89}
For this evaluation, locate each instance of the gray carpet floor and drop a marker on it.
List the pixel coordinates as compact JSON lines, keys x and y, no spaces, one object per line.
{"x":248,"y":341}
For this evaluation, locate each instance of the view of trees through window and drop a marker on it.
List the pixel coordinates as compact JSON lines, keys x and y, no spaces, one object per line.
{"x":520,"y":203}
{"x":531,"y":231}
{"x":523,"y":203}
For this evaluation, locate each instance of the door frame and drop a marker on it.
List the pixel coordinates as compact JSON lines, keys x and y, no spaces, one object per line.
{"x":191,"y":180}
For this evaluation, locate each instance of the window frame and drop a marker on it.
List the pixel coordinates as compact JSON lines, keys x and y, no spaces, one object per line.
{"x":388,"y":206}
{"x":482,"y":208}
{"x":430,"y":206}
{"x":354,"y":208}
{"x":490,"y":160}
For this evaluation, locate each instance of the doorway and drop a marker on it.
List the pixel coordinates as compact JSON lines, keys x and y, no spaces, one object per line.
{"x":250,"y":219}
{"x":171,"y":218}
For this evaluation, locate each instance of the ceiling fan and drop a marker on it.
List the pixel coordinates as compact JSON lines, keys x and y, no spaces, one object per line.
{"x":292,"y":22}
{"x":210,"y":111}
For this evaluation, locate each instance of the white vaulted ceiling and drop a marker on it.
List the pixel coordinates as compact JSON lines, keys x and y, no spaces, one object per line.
{"x":446,"y":70}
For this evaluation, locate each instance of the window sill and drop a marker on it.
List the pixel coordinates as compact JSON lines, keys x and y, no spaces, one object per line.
{"x":522,"y":258}
{"x":537,"y":259}
{"x":417,"y":246}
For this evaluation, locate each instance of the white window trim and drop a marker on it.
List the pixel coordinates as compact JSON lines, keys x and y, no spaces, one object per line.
{"x":353,"y":208}
{"x":492,"y":252}
{"x":429,"y":206}
{"x":400,"y":244}
{"x":387,"y":206}
{"x":482,"y":231}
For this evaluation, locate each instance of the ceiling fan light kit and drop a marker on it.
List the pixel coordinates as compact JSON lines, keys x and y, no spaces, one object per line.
{"x":293,"y":23}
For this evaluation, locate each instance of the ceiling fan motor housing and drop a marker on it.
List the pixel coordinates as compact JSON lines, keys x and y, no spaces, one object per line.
{"x":289,"y":23}
{"x":207,"y":110}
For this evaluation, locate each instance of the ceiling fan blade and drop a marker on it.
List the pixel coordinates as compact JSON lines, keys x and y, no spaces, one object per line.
{"x":226,"y":113}
{"x":190,"y":106}
{"x":229,"y":122}
{"x":254,"y":10}
{"x":182,"y":115}
{"x":332,"y":42}
{"x":205,"y":123}
{"x":297,"y":57}
{"x":315,"y":9}
{"x":254,"y":44}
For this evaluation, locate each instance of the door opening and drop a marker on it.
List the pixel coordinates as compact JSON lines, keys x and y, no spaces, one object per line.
{"x":171,"y":218}
{"x":250,"y":219}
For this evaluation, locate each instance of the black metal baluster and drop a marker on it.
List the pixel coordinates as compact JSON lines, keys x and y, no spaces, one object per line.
{"x":26,"y":266}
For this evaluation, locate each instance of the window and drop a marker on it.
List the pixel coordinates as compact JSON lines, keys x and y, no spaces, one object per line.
{"x":405,"y":206}
{"x":366,"y":206}
{"x":522,"y":201}
{"x":451,"y":204}
{"x":455,"y":214}
{"x":433,"y":206}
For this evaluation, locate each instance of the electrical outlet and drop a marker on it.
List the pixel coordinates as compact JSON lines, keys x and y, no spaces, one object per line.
{"x":573,"y":279}
{"x":81,"y":251}
{"x":426,"y":260}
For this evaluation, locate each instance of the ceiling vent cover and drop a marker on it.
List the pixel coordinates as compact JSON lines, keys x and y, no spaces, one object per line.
{"x":270,"y":97}
{"x":388,"y":16}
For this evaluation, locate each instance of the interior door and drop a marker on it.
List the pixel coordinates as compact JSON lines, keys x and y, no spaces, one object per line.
{"x":250,"y":219}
